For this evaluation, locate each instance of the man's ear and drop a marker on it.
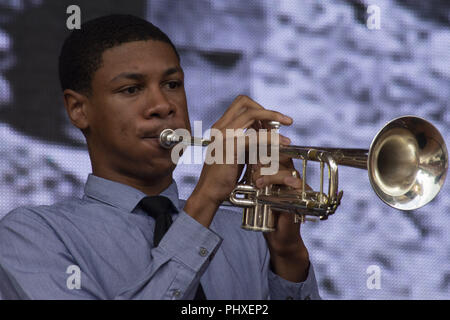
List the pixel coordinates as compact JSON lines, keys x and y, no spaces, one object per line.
{"x":76,"y":107}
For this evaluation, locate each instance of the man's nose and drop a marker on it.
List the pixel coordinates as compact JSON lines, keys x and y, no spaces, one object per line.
{"x":159,"y":106}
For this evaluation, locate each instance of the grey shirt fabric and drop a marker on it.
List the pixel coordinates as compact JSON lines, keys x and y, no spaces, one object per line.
{"x":101,"y":247}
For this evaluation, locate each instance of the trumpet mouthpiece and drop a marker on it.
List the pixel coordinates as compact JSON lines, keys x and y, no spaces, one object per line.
{"x":168,"y":138}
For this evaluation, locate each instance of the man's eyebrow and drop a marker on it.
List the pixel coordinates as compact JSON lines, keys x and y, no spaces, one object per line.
{"x":140,"y":76}
{"x":130,"y":75}
{"x":173,"y":70}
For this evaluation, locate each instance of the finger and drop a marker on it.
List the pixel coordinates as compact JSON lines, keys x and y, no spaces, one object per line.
{"x":247,"y":118}
{"x":264,"y":149}
{"x":282,"y":178}
{"x":296,"y":183}
{"x":241,"y":104}
{"x":252,"y":141}
{"x":262,"y":181}
{"x":285,"y":141}
{"x":284,"y":164}
{"x":266,"y":138}
{"x":258,"y":124}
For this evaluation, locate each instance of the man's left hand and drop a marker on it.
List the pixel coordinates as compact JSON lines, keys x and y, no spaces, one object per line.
{"x":289,"y":255}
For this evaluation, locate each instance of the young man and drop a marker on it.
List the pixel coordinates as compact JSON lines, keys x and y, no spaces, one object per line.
{"x":123,"y":84}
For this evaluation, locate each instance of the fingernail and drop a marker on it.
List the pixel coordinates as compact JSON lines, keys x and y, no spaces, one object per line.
{"x":291,"y":181}
{"x":288,"y":119}
{"x":285,"y":140}
{"x":259,"y":182}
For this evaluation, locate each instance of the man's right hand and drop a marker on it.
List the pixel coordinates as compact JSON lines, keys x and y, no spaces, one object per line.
{"x":217,"y":181}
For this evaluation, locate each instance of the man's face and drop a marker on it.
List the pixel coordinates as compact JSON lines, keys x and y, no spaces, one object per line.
{"x":136,"y":93}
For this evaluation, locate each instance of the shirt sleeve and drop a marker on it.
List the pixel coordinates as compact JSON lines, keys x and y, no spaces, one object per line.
{"x":34,"y":262}
{"x":282,"y":289}
{"x":181,"y":258}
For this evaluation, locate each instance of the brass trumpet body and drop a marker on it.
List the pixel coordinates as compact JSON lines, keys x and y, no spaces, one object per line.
{"x":407,"y":163}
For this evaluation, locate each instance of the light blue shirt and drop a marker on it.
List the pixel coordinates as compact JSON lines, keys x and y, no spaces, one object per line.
{"x":101,"y":247}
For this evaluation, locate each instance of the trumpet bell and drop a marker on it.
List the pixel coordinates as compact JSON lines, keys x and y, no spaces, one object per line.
{"x":407,"y":163}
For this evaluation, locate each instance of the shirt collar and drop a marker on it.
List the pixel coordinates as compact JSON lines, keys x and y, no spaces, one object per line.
{"x":123,"y":196}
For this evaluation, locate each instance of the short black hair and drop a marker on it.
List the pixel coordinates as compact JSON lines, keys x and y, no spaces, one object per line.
{"x":81,"y":54}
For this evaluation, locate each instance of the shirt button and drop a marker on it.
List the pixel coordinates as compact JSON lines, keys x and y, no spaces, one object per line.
{"x":177,"y":293}
{"x":203,"y":252}
{"x":289,"y":298}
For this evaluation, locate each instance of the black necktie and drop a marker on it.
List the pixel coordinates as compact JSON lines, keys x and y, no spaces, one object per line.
{"x":160,"y":208}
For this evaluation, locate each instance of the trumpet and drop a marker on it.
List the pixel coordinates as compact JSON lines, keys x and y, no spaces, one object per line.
{"x":407,"y":163}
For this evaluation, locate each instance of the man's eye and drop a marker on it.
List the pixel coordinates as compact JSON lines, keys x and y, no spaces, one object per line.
{"x":174,"y":84}
{"x":131,"y":90}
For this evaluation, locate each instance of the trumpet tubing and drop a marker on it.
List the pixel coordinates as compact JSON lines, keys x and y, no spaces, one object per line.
{"x":407,"y":164}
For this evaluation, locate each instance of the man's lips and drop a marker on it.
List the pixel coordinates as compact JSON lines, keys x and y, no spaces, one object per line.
{"x":152,"y":138}
{"x":151,"y":135}
{"x":154,"y":134}
{"x":152,"y":142}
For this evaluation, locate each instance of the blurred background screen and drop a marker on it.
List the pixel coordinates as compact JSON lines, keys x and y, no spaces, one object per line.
{"x":339,"y":74}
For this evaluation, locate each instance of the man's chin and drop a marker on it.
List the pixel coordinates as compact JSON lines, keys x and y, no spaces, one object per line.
{"x":162,"y":167}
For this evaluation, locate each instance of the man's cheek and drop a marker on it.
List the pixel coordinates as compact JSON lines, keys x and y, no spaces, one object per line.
{"x":125,"y":128}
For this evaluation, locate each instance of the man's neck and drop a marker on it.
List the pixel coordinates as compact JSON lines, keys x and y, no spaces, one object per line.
{"x":149,"y":185}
